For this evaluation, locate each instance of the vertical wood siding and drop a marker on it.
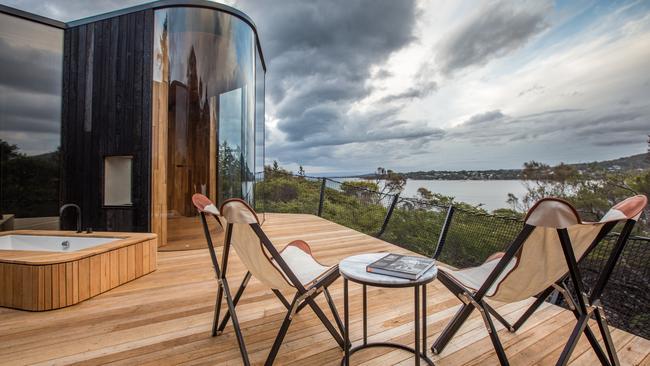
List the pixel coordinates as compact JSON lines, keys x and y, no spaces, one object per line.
{"x":107,"y":80}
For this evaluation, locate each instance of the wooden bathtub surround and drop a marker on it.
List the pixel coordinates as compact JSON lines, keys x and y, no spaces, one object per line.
{"x":38,"y":280}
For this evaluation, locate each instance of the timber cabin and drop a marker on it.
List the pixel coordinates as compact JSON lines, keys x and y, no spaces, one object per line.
{"x":135,"y":111}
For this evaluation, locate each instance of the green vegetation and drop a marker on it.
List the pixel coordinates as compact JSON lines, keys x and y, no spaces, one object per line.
{"x":230,"y":168}
{"x":349,"y":204}
{"x":415,"y":223}
{"x":282,"y":192}
{"x":492,"y":174}
{"x":476,"y":234}
{"x":29,"y":185}
{"x":592,"y":194}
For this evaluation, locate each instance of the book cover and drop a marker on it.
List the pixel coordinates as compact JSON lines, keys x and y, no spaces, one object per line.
{"x":402,"y":266}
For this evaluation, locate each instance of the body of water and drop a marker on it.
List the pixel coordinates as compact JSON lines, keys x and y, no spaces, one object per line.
{"x":491,"y":193}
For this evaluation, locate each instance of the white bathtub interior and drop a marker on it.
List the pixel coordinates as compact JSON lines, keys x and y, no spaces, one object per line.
{"x":51,"y":243}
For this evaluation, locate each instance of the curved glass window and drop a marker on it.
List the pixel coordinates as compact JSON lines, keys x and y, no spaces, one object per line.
{"x":204,"y":115}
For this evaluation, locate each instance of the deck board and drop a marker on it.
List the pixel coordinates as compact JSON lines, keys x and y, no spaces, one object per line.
{"x":165,"y":318}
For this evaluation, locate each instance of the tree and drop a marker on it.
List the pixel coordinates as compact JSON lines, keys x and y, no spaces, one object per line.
{"x":275,"y":170}
{"x":592,"y":192}
{"x":506,"y":212}
{"x":8,"y":151}
{"x":29,"y":185}
{"x":424,"y":194}
{"x":427,"y":199}
{"x":541,"y":180}
{"x":301,"y":171}
{"x":513,"y":201}
{"x":365,"y":191}
{"x":229,"y":170}
{"x":390,"y":182}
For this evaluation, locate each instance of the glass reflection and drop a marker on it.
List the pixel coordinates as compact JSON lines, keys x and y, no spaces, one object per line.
{"x":230,"y":151}
{"x":31,"y":57}
{"x":259,"y":129}
{"x":204,"y":116}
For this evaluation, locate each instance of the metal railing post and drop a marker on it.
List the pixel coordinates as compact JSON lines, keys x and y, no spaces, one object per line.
{"x":322,"y":196}
{"x":444,"y":231}
{"x":388,"y":215}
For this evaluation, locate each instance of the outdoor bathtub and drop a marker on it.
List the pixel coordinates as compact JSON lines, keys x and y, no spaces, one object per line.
{"x":45,"y":270}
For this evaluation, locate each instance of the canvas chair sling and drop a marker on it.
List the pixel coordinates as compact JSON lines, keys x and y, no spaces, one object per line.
{"x":293,"y":268}
{"x":546,"y":251}
{"x":559,"y":286}
{"x":207,"y":208}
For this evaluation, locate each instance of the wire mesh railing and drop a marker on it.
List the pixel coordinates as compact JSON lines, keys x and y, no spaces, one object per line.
{"x":414,"y":225}
{"x":626,"y":297}
{"x":345,"y":203}
{"x":472,"y":237}
{"x":356,"y":207}
{"x":285,"y":193}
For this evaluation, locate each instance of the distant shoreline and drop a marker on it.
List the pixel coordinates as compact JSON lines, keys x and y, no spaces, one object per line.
{"x":365,"y":176}
{"x":628,"y":163}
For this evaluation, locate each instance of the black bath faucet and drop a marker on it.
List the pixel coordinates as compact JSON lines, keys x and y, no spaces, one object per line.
{"x":78,"y":214}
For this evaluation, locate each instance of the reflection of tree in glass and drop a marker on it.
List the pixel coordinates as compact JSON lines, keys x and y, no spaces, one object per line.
{"x":230,"y":170}
{"x":29,"y":185}
{"x":163,"y":57}
{"x":189,"y":137}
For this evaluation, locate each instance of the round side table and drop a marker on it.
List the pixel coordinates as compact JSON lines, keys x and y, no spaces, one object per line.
{"x":354,"y":269}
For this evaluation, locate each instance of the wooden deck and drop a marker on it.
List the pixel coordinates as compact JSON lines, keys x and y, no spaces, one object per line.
{"x":165,"y":318}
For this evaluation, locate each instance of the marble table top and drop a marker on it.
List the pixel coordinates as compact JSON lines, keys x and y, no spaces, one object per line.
{"x":354,"y":269}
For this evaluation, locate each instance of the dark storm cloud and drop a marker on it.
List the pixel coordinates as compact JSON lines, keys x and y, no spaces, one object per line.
{"x":535,"y":89}
{"x":383,"y":74}
{"x":334,"y":34}
{"x":310,"y":94}
{"x":327,"y":125}
{"x":630,"y":140}
{"x":408,"y":135}
{"x":481,"y":118}
{"x":553,"y":111}
{"x":421,"y":90}
{"x":307,"y":43}
{"x":69,"y":10}
{"x":320,"y":55}
{"x":30,"y":69}
{"x":410,"y":93}
{"x":29,"y":112}
{"x":598,"y":127}
{"x":311,"y":121}
{"x":493,"y":32}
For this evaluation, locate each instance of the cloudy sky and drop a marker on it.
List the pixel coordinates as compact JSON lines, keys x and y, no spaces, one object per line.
{"x":420,"y":85}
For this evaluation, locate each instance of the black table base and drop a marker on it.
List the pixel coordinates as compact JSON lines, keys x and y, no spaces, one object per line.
{"x":420,"y":326}
{"x":390,"y":345}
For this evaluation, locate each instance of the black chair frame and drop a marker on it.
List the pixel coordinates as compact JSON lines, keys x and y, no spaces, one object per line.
{"x":585,"y":306}
{"x":303,"y":297}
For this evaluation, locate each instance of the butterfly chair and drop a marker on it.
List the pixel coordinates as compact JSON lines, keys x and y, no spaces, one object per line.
{"x":206,"y":208}
{"x":293,"y":268}
{"x":544,"y":254}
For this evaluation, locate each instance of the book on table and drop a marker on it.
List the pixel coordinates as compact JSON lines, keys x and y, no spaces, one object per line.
{"x":402,"y":266}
